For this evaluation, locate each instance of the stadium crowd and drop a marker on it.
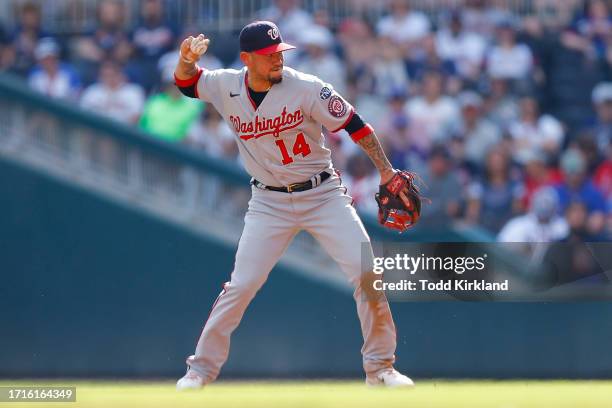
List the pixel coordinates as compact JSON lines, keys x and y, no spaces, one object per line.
{"x":507,"y":117}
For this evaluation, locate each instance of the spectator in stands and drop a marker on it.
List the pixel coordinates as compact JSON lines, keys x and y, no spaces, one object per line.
{"x":534,"y":132}
{"x":602,"y":178}
{"x":108,"y":40}
{"x":322,"y":17}
{"x":577,"y":186}
{"x":554,"y":14}
{"x":595,"y":25}
{"x":113,"y":95}
{"x":213,"y":135}
{"x":587,"y":146}
{"x":427,"y":59}
{"x":20,"y":55}
{"x":317,"y":58}
{"x":362,"y":182}
{"x":291,"y":20}
{"x":493,"y":200}
{"x":388,"y":69}
{"x":474,"y":134}
{"x":169,"y":115}
{"x":509,"y":59}
{"x":4,"y":49}
{"x":602,"y":129}
{"x":541,"y":224}
{"x":152,"y":38}
{"x":431,"y":115}
{"x":569,"y":259}
{"x":358,"y":43}
{"x":533,"y":35}
{"x":52,"y":77}
{"x":537,"y":175}
{"x":500,"y":106}
{"x":403,"y":25}
{"x":394,"y":131}
{"x":577,"y":216}
{"x":464,"y":48}
{"x":572,"y":73}
{"x":606,"y":62}
{"x":442,"y":187}
{"x":481,"y":17}
{"x":372,"y":69}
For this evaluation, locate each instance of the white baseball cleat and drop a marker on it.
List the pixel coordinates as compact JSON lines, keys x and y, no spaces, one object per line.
{"x":190,"y":381}
{"x":389,"y":378}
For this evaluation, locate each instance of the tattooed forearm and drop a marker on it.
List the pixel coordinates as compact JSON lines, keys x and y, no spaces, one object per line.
{"x":371,"y":145}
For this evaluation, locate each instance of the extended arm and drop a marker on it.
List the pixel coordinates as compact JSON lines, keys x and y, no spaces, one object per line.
{"x":396,"y":187}
{"x":371,"y":146}
{"x":191,"y":51}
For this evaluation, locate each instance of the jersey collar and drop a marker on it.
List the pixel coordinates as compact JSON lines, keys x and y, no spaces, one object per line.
{"x":248,"y":95}
{"x":246,"y":89}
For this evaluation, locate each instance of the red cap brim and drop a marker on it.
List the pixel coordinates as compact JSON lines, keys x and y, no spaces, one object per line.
{"x":275,"y":48}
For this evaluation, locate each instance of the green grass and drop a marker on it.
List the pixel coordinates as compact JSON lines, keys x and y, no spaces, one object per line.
{"x":351,"y":394}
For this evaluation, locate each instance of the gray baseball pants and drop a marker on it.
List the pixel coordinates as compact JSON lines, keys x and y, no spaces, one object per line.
{"x":272,"y":220}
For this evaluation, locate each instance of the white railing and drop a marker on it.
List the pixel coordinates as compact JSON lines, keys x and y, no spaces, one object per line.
{"x":75,"y":16}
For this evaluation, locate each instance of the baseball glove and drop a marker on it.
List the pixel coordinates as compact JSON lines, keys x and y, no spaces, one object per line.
{"x":393,"y":212}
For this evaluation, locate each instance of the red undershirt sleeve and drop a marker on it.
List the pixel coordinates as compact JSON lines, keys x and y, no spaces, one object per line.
{"x":189,"y":87}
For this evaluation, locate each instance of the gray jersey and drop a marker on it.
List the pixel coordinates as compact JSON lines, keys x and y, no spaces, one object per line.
{"x":280,"y":141}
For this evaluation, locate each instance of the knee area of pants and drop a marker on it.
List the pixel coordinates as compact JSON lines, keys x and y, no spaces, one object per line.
{"x":246,"y":286}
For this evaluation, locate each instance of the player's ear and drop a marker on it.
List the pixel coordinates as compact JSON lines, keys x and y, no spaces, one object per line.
{"x":245,"y":57}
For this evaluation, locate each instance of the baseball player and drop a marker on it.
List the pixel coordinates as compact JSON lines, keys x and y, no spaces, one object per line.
{"x":276,"y":114}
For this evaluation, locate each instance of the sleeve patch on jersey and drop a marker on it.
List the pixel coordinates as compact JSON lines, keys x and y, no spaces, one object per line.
{"x":337,"y":107}
{"x":346,"y":122}
{"x":325,"y":93}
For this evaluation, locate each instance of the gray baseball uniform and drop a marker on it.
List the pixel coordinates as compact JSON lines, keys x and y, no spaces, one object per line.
{"x":281,"y":143}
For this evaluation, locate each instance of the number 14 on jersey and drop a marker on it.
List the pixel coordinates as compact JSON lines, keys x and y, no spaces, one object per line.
{"x":299,"y":147}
